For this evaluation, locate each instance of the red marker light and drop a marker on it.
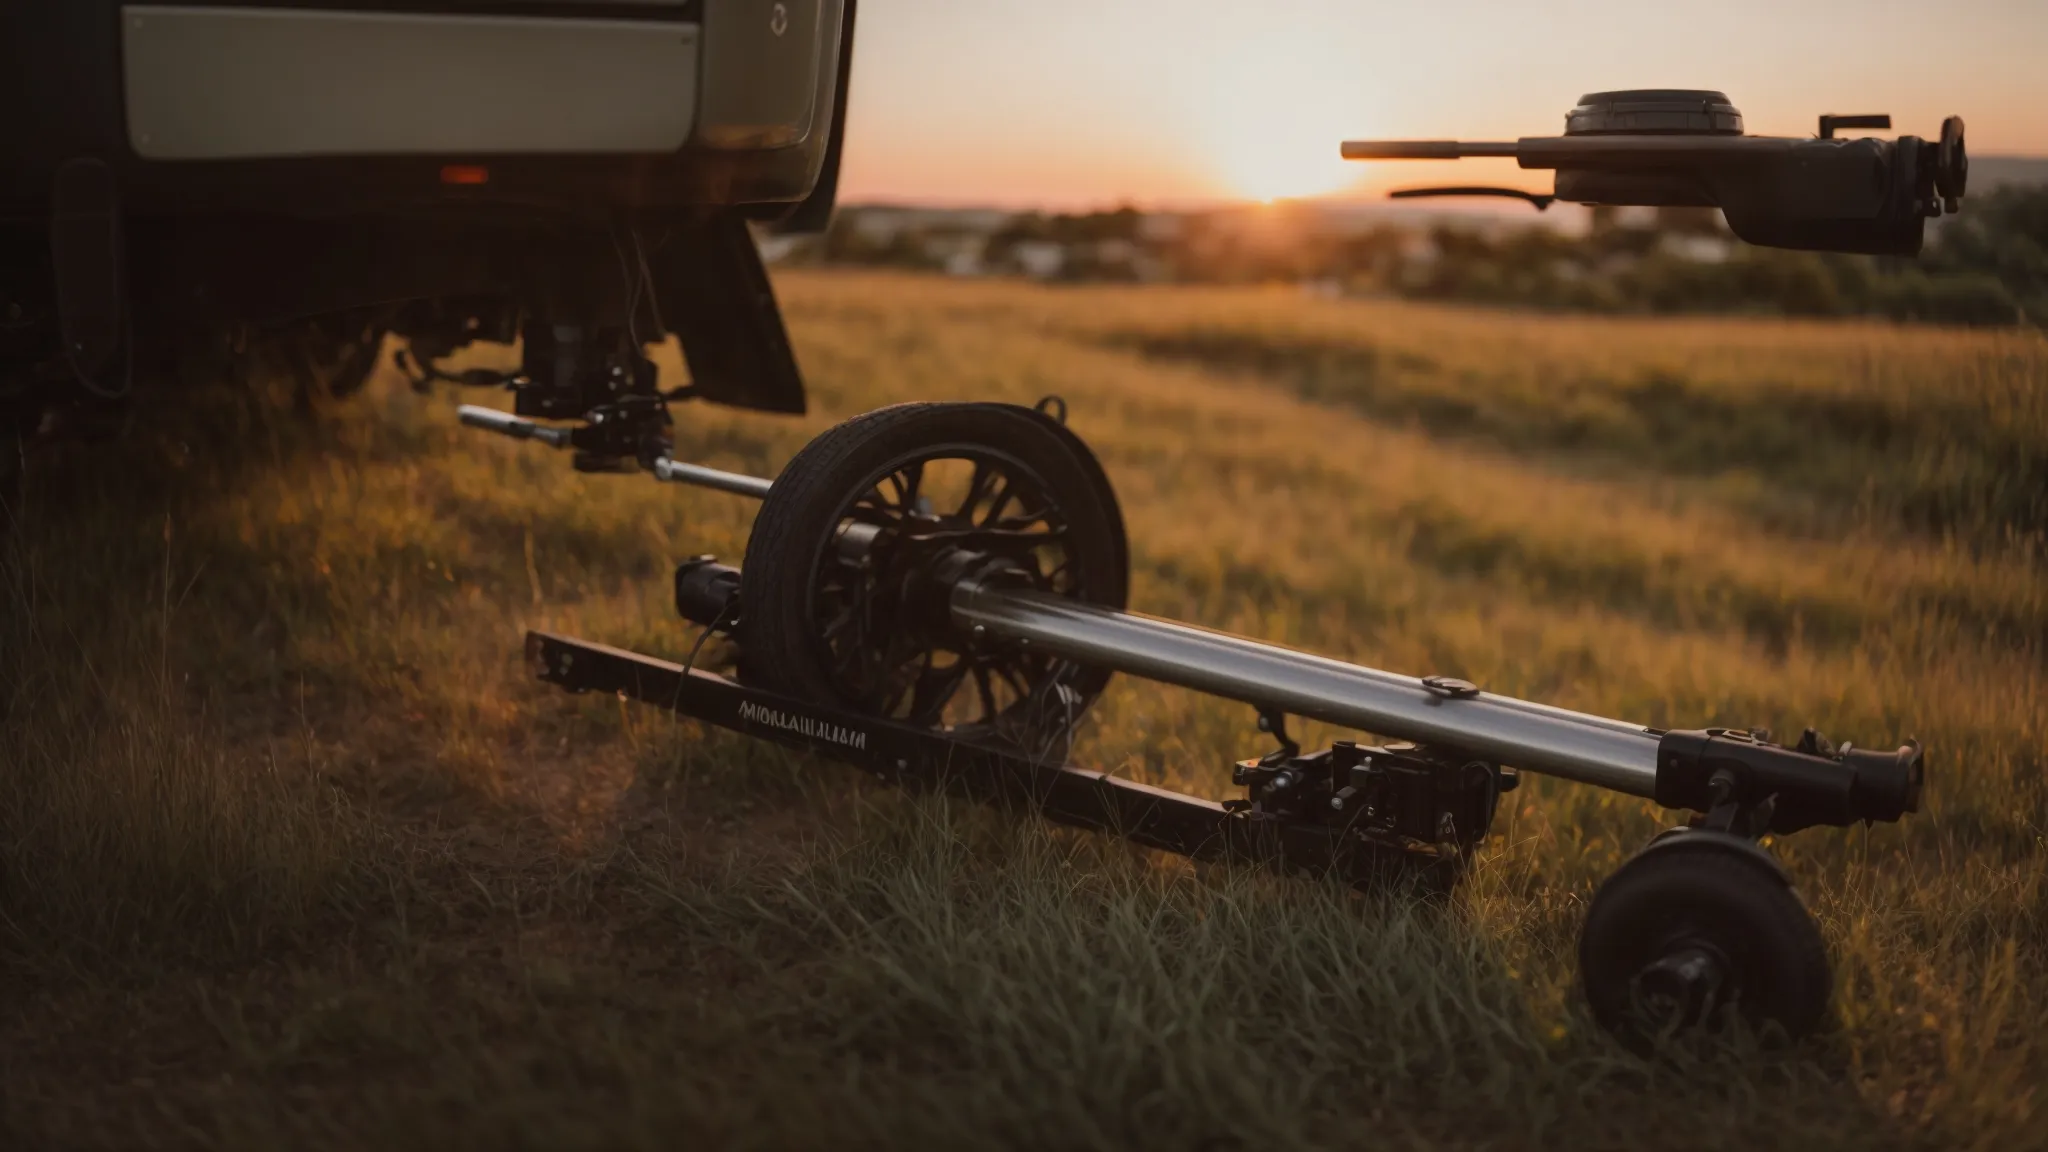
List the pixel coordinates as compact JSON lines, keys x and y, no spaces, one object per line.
{"x":465,"y":174}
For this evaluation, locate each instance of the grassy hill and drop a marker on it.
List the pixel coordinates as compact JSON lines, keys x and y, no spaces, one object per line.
{"x":294,"y":853}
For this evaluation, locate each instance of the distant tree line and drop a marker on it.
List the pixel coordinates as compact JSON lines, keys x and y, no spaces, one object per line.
{"x":1987,"y":266}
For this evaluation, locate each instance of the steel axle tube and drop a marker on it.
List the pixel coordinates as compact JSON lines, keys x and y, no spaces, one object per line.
{"x":1573,"y":745}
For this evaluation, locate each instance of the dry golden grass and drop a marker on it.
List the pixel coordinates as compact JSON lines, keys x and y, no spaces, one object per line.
{"x":373,"y":887}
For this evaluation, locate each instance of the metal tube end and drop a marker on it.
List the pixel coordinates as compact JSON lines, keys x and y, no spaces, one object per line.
{"x":1424,"y":149}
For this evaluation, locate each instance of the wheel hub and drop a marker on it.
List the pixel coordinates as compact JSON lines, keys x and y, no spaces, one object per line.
{"x":1683,"y":986}
{"x":881,"y":595}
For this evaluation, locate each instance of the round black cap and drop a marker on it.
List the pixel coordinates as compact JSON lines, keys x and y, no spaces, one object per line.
{"x":1654,"y":111}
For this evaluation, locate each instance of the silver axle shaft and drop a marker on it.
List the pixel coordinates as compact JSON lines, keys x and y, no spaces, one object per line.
{"x":1573,"y":745}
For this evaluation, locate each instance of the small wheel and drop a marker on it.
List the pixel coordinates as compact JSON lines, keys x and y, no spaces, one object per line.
{"x":838,"y":598}
{"x":1698,"y":926}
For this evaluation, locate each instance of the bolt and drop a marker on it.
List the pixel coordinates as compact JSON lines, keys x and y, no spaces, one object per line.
{"x":980,"y":630}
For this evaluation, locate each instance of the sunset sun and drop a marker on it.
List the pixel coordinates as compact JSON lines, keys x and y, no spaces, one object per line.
{"x":1270,"y":129}
{"x":1283,"y":162}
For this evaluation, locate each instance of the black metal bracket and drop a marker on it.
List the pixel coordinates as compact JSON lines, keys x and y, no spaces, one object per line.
{"x":1450,"y":687}
{"x":1742,"y":781}
{"x":1830,"y":122}
{"x":1273,"y":722}
{"x":1540,"y":200}
{"x":959,"y":763}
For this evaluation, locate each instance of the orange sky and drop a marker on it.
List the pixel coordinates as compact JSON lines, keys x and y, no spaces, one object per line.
{"x":1070,"y":103}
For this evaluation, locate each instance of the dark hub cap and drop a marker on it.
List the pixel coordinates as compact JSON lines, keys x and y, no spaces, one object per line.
{"x":879,"y":595}
{"x":845,"y":591}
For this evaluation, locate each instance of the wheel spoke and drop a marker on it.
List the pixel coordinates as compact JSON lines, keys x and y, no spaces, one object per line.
{"x":934,"y":688}
{"x":1008,"y":675}
{"x":899,"y":685}
{"x":977,"y":486}
{"x":986,"y":692}
{"x":998,"y":501}
{"x":839,"y":624}
{"x":871,"y":508}
{"x":1022,"y":525}
{"x":906,"y":481}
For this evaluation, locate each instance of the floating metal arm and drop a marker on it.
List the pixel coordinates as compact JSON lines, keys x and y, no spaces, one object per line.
{"x":1427,"y":149}
{"x":1541,"y":200}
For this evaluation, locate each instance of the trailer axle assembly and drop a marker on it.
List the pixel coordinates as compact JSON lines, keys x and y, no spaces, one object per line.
{"x":935,"y":593}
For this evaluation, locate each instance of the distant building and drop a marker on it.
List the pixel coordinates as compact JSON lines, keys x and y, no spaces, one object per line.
{"x":1161,"y":227}
{"x":1039,"y":259}
{"x":958,"y":253}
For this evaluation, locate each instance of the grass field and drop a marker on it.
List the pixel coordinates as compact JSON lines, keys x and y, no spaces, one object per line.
{"x":293,"y":854}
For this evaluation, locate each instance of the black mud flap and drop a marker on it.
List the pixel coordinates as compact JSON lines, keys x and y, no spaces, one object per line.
{"x":715,"y":296}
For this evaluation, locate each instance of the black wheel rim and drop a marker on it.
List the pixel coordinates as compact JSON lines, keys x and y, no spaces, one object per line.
{"x":880,"y":621}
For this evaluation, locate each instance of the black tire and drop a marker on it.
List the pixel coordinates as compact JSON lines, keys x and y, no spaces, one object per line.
{"x":1724,"y":898}
{"x":782,"y":641}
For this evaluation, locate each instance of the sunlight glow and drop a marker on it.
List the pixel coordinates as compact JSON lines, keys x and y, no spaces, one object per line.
{"x":1271,"y":165}
{"x":1270,"y":121}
